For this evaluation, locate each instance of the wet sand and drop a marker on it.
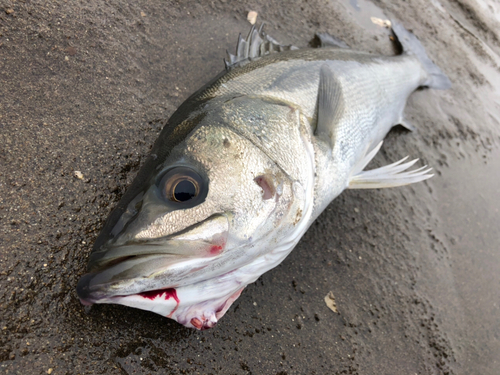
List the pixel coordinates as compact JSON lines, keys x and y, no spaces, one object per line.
{"x":414,"y":270}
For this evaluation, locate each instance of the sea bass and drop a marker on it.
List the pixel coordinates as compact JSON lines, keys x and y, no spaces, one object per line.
{"x":243,"y":168}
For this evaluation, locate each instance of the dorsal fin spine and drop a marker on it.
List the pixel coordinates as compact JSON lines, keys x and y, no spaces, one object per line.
{"x":256,"y":45}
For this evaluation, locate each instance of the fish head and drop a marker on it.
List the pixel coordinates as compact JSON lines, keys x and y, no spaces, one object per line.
{"x":194,"y":229}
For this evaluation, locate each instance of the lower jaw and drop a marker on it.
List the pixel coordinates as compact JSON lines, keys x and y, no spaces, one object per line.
{"x":204,"y":318}
{"x":199,"y":305}
{"x":188,"y":306}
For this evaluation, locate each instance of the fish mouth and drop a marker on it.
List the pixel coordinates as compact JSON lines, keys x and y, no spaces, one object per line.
{"x":167,"y":262}
{"x":200,"y":239}
{"x":198,"y":306}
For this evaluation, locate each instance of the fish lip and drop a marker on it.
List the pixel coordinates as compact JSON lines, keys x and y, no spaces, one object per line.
{"x":202,"y":312}
{"x":91,"y":293}
{"x":88,"y":296}
{"x":108,"y":267}
{"x":96,"y":264}
{"x":83,"y":291}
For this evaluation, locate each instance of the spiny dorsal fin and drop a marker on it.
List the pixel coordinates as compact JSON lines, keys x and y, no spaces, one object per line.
{"x":256,"y":45}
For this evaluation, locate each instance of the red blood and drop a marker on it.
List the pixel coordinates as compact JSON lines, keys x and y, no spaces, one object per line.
{"x":169,"y":293}
{"x":214,"y":250}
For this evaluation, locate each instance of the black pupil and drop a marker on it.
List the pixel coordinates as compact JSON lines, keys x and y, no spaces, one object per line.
{"x":184,"y":191}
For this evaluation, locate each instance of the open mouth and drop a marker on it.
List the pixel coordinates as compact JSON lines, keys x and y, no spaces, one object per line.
{"x":187,"y":305}
{"x":128,"y":275}
{"x":144,"y":265}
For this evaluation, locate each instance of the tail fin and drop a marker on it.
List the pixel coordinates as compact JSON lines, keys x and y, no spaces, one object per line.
{"x":411,"y":45}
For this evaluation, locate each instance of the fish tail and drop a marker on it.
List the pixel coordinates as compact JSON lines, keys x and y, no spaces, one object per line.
{"x":411,"y":45}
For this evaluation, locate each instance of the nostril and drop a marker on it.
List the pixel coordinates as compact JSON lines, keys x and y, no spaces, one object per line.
{"x":267,"y":186}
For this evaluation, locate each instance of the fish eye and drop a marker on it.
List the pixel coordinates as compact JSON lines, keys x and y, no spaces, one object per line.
{"x":183,"y":185}
{"x":184,"y":190}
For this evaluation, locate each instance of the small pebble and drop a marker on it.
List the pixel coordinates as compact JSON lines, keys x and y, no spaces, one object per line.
{"x":252,"y":17}
{"x":330,"y":302}
{"x":71,"y":51}
{"x":381,"y":22}
{"x":78,"y":175}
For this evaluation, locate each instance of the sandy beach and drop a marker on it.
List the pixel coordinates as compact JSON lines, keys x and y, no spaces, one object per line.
{"x":85,"y":88}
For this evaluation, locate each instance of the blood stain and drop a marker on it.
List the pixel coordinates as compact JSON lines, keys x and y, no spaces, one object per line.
{"x":169,"y":293}
{"x":214,"y":250}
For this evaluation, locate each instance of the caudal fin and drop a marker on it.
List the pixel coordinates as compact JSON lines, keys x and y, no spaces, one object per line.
{"x":412,"y":46}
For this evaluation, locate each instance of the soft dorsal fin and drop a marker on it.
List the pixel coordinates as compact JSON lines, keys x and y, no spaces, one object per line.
{"x":256,"y":45}
{"x":327,"y":40}
{"x":330,"y":105}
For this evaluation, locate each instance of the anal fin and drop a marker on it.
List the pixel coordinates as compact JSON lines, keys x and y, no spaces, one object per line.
{"x":391,"y":175}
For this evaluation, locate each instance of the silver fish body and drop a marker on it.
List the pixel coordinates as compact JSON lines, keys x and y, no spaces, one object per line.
{"x":241,"y":171}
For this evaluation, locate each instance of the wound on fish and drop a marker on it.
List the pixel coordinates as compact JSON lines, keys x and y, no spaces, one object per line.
{"x":214,"y":249}
{"x":153,"y":294}
{"x":169,"y":293}
{"x":218,"y":244}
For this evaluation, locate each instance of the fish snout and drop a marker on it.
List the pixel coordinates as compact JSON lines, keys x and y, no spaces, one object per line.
{"x":83,"y":290}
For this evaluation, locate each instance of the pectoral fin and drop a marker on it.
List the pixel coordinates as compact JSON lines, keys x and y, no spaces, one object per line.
{"x":330,"y":105}
{"x":388,"y":176}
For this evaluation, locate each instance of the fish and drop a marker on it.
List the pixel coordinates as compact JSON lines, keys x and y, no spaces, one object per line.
{"x":245,"y":165}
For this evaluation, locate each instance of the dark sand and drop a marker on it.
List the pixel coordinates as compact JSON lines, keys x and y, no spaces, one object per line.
{"x":87,"y":86}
